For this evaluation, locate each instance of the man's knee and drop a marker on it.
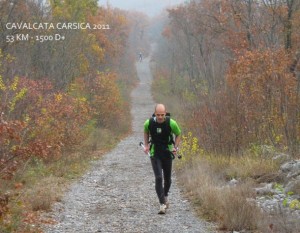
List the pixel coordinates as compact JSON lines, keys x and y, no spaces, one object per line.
{"x":158,"y":179}
{"x":168,"y":181}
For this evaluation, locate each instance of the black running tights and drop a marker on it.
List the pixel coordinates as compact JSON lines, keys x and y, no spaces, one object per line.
{"x":162,"y":168}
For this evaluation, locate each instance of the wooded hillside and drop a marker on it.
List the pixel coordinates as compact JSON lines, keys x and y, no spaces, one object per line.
{"x":235,"y":66}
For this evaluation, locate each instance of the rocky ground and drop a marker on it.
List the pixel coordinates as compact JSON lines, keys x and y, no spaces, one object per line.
{"x":282,"y":198}
{"x":117,"y":194}
{"x":278,"y":195}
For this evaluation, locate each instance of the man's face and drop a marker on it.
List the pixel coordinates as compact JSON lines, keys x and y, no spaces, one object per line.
{"x":160,"y":115}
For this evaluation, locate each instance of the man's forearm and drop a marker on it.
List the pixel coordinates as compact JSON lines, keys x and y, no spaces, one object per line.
{"x":146,"y":139}
{"x":177,"y":141}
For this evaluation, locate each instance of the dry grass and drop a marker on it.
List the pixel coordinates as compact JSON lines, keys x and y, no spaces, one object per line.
{"x":241,"y":166}
{"x":236,"y":211}
{"x":206,"y":184}
{"x":93,"y":143}
{"x":202,"y":187}
{"x":279,"y":223}
{"x":44,"y":193}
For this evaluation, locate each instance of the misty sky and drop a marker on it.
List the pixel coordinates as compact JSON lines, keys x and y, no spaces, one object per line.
{"x":150,"y":7}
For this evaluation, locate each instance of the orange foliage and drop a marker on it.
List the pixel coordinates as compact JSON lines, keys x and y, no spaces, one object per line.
{"x":58,"y":124}
{"x":106,"y":100}
{"x":48,"y":122}
{"x":113,"y":40}
{"x":103,"y":95}
{"x":259,"y":105}
{"x":10,"y":141}
{"x":266,"y":96}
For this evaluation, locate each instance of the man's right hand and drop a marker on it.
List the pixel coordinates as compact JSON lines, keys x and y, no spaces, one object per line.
{"x":147,"y":148}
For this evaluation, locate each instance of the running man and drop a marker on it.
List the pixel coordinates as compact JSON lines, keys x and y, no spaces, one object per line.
{"x":161,"y":129}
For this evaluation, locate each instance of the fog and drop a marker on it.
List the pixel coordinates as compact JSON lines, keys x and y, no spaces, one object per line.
{"x":149,"y":7}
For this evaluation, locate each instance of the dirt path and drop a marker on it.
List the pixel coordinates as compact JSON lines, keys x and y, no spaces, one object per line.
{"x":118,"y":194}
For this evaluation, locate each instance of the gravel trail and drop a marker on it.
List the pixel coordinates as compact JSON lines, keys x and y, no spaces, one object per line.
{"x":117,"y":194}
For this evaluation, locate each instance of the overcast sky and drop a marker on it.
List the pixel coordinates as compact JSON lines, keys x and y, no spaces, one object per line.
{"x":150,"y":7}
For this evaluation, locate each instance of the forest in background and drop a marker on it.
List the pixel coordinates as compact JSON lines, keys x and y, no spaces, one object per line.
{"x":233,"y":68}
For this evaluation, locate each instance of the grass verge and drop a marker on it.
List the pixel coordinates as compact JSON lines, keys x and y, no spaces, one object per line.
{"x":232,"y":207}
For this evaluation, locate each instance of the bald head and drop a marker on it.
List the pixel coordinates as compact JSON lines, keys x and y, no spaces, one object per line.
{"x":160,"y":113}
{"x":160,"y":108}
